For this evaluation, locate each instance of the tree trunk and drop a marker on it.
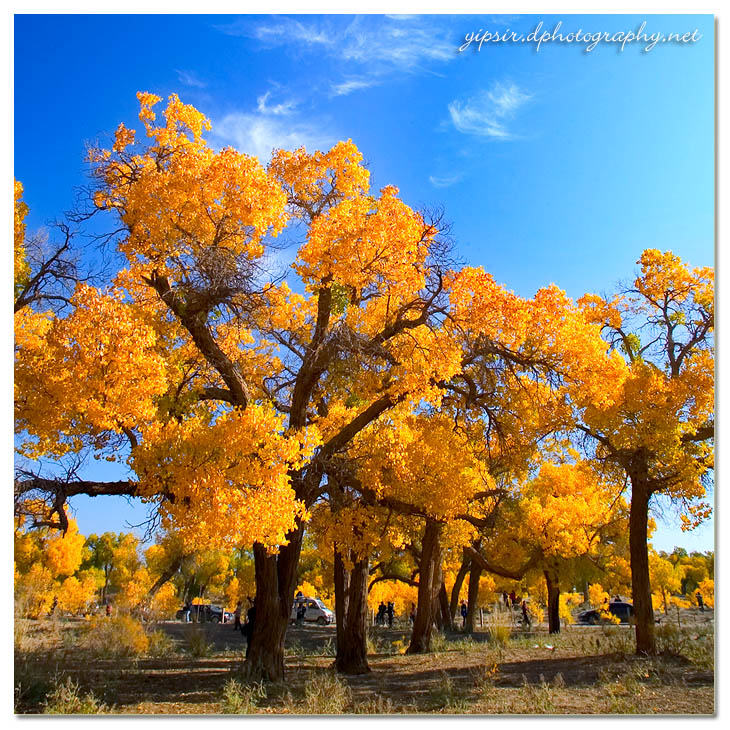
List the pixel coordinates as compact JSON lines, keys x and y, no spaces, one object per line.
{"x":472,"y":597}
{"x":443,"y":600}
{"x":553,"y":591}
{"x":427,"y":587}
{"x":275,"y":583}
{"x":351,"y":592}
{"x":164,"y":577}
{"x":639,"y":551}
{"x":458,"y":583}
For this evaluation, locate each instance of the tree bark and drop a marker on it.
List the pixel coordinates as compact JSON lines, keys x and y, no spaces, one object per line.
{"x":351,"y":592}
{"x":639,"y":552}
{"x":472,"y":597}
{"x":553,"y":591}
{"x":427,"y":587}
{"x":275,"y":583}
{"x":443,"y":607}
{"x":458,"y":583}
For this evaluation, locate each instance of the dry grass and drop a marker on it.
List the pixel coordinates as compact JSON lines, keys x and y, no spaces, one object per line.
{"x":584,"y":670}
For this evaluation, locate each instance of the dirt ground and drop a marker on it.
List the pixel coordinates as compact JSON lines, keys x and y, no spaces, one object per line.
{"x":583,"y":670}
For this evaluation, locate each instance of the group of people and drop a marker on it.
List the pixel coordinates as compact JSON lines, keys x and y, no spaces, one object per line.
{"x":385,"y":613}
{"x":512,"y":601}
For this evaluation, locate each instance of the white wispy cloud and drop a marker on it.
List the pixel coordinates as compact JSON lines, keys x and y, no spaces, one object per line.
{"x":264,"y":107}
{"x":488,"y":113}
{"x":188,"y":78}
{"x":347,"y":87}
{"x":395,"y":45}
{"x":258,"y":135}
{"x":444,"y":181}
{"x":375,"y":48}
{"x":278,"y":30}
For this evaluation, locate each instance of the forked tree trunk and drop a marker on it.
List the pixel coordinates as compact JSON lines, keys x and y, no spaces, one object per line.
{"x":639,"y":551}
{"x":427,"y":588}
{"x":472,"y":597}
{"x":351,"y":607}
{"x":275,"y":583}
{"x":553,"y":591}
{"x":458,"y":583}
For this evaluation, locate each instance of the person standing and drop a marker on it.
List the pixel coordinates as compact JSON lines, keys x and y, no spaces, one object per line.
{"x":525,"y":615}
{"x":237,"y":617}
{"x":464,"y":612}
{"x":390,"y":610}
{"x":700,"y":602}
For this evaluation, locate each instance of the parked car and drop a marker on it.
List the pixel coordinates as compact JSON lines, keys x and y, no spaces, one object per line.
{"x":624,"y":611}
{"x":314,"y":610}
{"x":205,"y":612}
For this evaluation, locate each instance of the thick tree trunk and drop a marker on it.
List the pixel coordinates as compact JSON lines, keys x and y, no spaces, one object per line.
{"x":342,"y":591}
{"x":275,"y":583}
{"x":456,"y":589}
{"x":351,"y":592}
{"x":553,"y":591}
{"x":427,"y":588}
{"x":472,"y":597}
{"x":639,"y":551}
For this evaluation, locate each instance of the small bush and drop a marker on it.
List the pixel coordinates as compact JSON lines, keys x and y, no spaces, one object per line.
{"x":325,"y":694}
{"x":65,"y":699}
{"x":499,"y":635}
{"x":326,"y":649}
{"x":618,"y":640}
{"x":196,"y":642}
{"x":121,"y":636}
{"x":239,"y":699}
{"x":295,"y":649}
{"x":538,"y":699}
{"x":622,"y":694}
{"x":445,"y":697}
{"x":30,"y":688}
{"x":377,"y":705}
{"x":483,"y":677}
{"x":439,"y":642}
{"x":161,"y":644}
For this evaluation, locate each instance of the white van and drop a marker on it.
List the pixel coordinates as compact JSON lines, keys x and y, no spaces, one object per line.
{"x":315,"y":610}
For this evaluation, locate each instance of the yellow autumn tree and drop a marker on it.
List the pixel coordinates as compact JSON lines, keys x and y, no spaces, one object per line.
{"x":230,"y":366}
{"x":656,"y":422}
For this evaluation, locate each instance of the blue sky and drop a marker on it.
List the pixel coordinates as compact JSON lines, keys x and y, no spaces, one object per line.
{"x":557,"y":165}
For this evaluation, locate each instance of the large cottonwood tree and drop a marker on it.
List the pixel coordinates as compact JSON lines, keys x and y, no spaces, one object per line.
{"x":656,"y":421}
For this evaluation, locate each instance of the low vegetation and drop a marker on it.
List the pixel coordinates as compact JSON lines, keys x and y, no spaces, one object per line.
{"x":582,"y":670}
